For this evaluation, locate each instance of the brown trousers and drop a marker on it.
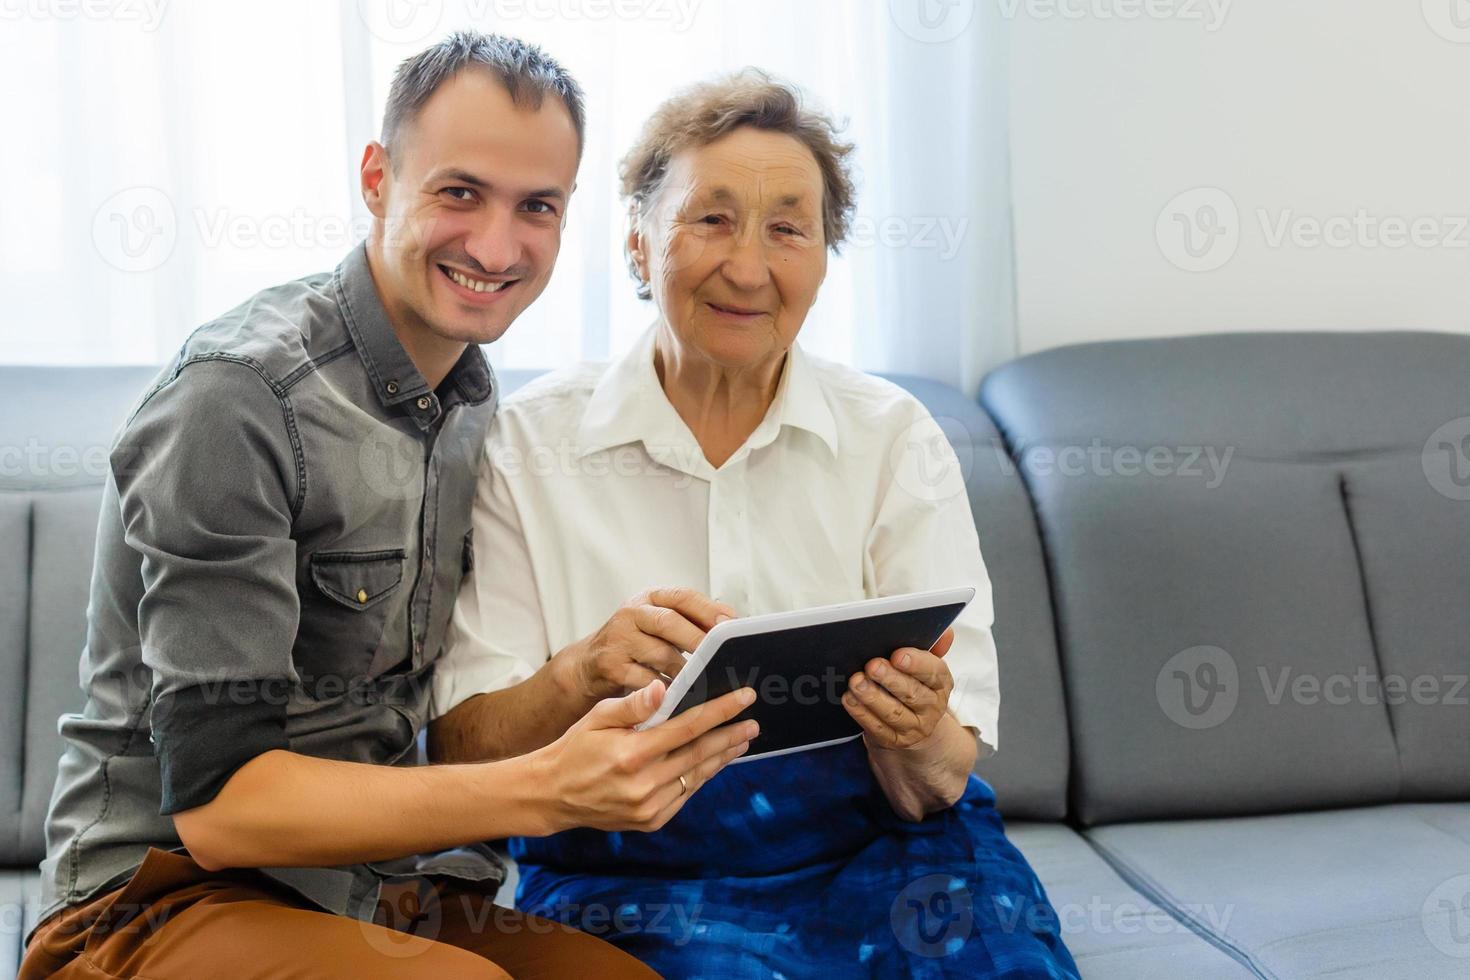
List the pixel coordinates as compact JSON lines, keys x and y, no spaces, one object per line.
{"x":174,"y":920}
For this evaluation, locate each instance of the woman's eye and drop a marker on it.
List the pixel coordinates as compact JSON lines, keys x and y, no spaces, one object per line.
{"x":787,"y":230}
{"x":712,"y":219}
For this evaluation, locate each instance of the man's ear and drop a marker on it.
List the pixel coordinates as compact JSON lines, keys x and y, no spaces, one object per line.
{"x":373,"y":177}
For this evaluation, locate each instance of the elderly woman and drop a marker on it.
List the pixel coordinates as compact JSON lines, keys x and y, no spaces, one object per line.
{"x":716,"y":456}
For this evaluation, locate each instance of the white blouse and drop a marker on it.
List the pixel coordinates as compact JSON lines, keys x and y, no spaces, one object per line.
{"x":594,"y":489}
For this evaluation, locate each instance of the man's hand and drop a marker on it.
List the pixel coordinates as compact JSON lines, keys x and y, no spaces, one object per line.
{"x":640,"y":644}
{"x":899,"y":701}
{"x":608,"y":776}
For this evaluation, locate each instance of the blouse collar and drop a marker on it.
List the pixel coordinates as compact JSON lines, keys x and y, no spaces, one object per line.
{"x":628,"y":405}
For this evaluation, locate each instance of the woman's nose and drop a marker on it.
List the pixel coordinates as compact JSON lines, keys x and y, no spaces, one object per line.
{"x":746,"y":266}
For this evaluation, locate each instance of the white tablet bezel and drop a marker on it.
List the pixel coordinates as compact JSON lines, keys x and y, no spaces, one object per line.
{"x":795,"y":619}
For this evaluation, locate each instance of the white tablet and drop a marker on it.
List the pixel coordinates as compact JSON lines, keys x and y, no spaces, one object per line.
{"x":799,"y":662}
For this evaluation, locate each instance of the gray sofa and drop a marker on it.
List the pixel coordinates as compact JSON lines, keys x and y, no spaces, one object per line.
{"x":1204,"y":551}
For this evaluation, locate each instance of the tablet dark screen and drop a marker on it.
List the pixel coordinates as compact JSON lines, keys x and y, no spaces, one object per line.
{"x":800,"y":674}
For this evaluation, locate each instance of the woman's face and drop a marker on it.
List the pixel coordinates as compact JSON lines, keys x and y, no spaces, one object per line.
{"x":733,"y":249}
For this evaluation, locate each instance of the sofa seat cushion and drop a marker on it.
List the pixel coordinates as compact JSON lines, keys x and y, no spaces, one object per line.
{"x":1113,"y":931}
{"x":1370,"y":893}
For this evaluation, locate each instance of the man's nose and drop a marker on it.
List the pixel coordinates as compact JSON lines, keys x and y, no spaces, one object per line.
{"x":494,"y":243}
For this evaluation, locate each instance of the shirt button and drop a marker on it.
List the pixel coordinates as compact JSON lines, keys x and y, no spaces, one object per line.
{"x":423,"y":403}
{"x":392,"y":387}
{"x":362,"y":595}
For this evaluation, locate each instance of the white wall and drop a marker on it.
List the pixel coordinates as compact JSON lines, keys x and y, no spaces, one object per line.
{"x":1306,"y":110}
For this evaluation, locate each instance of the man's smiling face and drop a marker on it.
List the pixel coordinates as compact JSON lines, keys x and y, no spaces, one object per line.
{"x":471,"y":204}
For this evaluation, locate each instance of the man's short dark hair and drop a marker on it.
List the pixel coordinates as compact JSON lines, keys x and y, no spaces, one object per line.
{"x":527,"y":72}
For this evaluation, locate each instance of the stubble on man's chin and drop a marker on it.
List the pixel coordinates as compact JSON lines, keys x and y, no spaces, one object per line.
{"x":470,"y":333}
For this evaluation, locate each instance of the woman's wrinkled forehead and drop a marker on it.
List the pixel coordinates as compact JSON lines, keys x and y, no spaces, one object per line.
{"x":747,"y":170}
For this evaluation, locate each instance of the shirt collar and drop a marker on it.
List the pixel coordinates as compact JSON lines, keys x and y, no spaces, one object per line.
{"x":628,"y":405}
{"x":802,"y":403}
{"x":394,"y":377}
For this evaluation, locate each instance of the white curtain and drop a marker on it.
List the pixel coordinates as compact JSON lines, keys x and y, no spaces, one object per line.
{"x":164,"y":160}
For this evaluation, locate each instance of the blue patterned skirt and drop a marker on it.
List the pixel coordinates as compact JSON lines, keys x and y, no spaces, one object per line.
{"x":796,"y":866}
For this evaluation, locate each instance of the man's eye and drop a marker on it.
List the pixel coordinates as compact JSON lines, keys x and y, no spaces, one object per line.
{"x":456,"y":191}
{"x":540,"y":207}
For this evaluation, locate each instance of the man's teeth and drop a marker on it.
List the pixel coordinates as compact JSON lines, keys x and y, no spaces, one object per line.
{"x":478,"y":285}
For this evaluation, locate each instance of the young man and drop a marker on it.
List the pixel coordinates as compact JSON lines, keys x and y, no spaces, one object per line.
{"x":281,"y":542}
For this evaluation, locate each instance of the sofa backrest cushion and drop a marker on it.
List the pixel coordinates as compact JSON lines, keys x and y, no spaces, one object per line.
{"x":1254,"y":542}
{"x":53,"y":459}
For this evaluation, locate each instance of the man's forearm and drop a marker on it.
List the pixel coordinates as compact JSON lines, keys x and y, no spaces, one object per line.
{"x":510,"y":722}
{"x":283,"y":809}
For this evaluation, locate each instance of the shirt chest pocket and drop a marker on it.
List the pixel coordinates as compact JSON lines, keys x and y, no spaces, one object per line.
{"x":344,"y":613}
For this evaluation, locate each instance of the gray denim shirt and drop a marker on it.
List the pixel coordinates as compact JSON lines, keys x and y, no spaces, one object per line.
{"x":281,"y":540}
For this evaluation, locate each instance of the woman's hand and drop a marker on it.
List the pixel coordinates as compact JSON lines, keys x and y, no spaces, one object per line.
{"x":899,"y":701}
{"x":920,"y":755}
{"x":640,"y":644}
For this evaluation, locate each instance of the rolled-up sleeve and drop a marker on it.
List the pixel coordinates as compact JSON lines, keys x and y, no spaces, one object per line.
{"x":207,"y":475}
{"x":496,"y":635}
{"x":925,"y":538}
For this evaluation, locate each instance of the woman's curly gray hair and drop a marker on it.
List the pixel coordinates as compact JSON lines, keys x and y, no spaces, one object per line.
{"x":704,"y":113}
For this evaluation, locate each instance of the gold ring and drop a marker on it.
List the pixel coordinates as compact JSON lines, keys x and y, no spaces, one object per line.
{"x":683,"y":784}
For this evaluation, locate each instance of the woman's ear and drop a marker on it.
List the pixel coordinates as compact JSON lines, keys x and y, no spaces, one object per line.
{"x":636,"y":247}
